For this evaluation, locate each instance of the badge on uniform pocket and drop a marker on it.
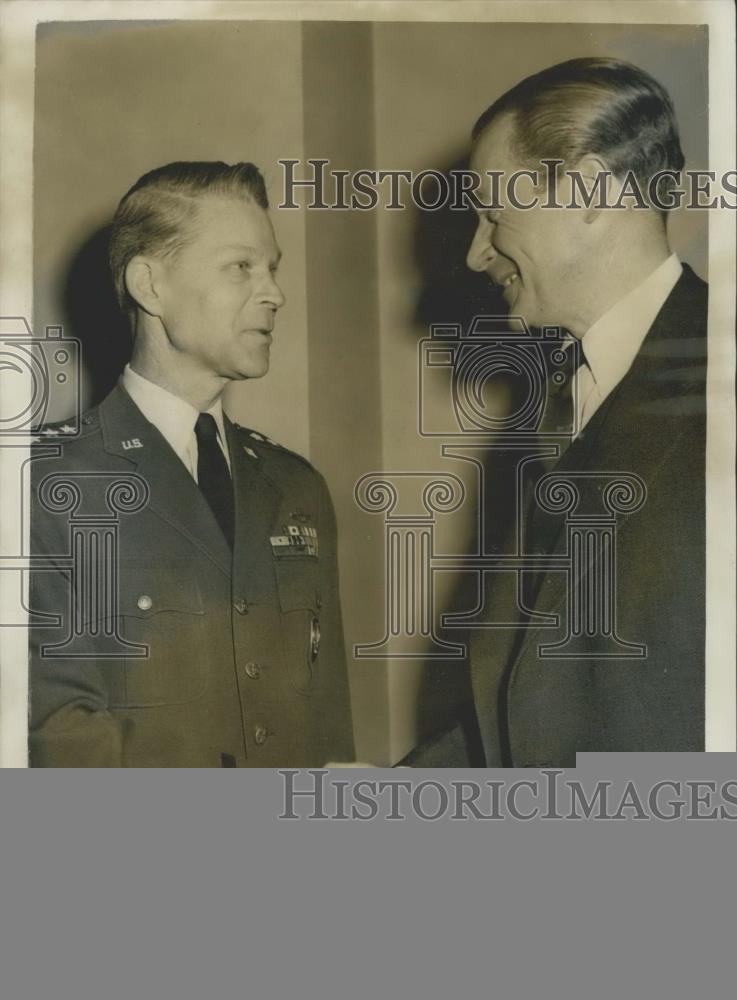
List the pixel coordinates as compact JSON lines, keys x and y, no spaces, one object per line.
{"x":314,"y":639}
{"x":295,"y":540}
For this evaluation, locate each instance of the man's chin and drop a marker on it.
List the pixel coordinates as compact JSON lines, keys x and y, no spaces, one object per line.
{"x":251,"y":371}
{"x":522,"y":307}
{"x":514,"y":297}
{"x":517,"y":306}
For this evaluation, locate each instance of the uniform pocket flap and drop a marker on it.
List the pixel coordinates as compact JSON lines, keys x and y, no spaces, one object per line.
{"x":148,"y":593}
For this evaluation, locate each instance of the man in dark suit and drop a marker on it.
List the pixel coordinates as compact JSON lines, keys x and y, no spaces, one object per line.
{"x":203,"y":627}
{"x":605,"y":650}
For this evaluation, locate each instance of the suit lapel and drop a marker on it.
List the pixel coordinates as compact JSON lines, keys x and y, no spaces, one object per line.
{"x":174,"y":496}
{"x":666,"y":340}
{"x":546,"y":530}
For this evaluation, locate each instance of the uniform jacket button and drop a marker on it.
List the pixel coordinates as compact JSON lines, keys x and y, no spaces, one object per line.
{"x":253,"y":670}
{"x":144,"y":602}
{"x":259,"y":735}
{"x":241,"y":606}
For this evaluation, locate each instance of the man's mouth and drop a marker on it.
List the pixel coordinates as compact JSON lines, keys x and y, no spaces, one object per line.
{"x":506,"y":281}
{"x":504,"y":277}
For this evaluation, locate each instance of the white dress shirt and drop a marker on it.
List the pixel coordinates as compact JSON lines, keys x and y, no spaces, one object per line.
{"x":174,"y":418}
{"x":610,"y":346}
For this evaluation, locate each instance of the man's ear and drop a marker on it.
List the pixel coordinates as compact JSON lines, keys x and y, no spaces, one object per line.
{"x":597,"y":177}
{"x":142,"y":279}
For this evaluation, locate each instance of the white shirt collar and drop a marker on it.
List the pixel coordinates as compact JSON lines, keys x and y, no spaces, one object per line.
{"x":612,"y":343}
{"x":172,"y":416}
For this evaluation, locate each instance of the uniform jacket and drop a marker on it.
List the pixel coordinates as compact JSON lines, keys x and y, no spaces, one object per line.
{"x":535,"y":711}
{"x":246,"y":661}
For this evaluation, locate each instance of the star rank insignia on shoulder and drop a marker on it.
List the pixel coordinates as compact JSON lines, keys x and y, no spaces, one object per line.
{"x":255,"y":440}
{"x":256,"y":435}
{"x":295,"y":540}
{"x":60,"y":429}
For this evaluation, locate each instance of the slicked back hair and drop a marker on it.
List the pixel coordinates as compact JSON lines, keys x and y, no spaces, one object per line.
{"x":594,"y":106}
{"x":157,"y":215}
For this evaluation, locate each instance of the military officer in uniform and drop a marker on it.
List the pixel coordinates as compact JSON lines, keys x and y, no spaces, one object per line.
{"x":207,"y":632}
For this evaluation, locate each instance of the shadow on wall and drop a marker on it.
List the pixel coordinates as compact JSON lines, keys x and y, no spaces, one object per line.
{"x":95,"y":318}
{"x":451,"y":293}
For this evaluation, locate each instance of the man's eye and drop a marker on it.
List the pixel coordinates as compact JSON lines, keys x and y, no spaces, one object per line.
{"x":240,"y":266}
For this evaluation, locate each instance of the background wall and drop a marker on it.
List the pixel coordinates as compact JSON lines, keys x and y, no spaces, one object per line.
{"x":114,"y":100}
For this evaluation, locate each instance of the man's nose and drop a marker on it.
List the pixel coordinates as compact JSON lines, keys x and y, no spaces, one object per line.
{"x":481,"y":252}
{"x":271,"y":293}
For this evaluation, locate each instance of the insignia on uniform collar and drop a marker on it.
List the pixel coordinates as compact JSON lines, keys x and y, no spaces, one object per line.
{"x":131,"y":443}
{"x":295,"y":540}
{"x":249,"y":451}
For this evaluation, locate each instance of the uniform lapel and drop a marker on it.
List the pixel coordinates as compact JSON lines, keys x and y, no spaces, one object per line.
{"x":174,"y":496}
{"x":257,"y":504}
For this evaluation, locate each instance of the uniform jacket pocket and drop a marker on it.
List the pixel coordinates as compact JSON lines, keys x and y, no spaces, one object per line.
{"x":162,"y":610}
{"x":299,"y":602}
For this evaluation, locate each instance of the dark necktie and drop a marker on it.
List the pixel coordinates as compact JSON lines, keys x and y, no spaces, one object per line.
{"x":558,"y":417}
{"x":213,"y":476}
{"x":555,"y":429}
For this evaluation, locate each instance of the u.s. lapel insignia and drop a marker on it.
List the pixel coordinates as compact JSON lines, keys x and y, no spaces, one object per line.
{"x":131,"y":443}
{"x":295,"y":540}
{"x":249,"y":451}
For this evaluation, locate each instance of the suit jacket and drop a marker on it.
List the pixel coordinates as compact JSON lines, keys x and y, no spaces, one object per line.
{"x":246,"y":662}
{"x":538,"y":710}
